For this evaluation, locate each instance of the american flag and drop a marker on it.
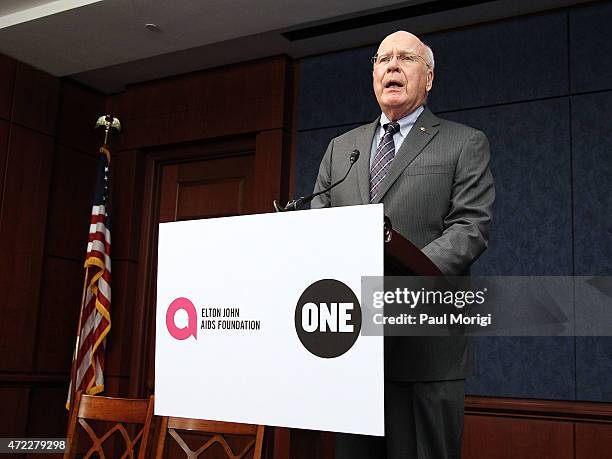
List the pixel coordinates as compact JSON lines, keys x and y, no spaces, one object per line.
{"x":95,"y":322}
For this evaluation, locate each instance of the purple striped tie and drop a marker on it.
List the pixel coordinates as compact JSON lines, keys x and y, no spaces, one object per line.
{"x":382,"y":160}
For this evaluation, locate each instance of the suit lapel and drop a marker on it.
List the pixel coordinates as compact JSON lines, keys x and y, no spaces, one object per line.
{"x":424,"y":129}
{"x":363,"y":143}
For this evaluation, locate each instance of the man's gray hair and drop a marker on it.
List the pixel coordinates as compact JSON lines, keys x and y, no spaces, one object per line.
{"x":429,"y":57}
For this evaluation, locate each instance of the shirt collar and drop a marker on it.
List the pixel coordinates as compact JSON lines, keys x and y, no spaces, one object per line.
{"x":406,"y":122}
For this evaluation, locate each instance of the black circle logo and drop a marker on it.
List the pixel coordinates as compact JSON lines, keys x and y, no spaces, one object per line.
{"x":328,"y":318}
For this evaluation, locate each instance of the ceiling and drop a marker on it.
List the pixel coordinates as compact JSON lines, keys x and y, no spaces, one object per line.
{"x":105,"y":44}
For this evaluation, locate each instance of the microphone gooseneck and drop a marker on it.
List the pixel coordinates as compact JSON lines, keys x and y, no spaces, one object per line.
{"x":297,"y":204}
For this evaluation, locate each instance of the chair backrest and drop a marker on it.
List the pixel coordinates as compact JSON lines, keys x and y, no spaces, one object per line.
{"x":216,"y":433}
{"x":118,"y":413}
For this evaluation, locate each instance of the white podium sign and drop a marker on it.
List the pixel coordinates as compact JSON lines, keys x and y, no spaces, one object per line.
{"x":227,"y":340}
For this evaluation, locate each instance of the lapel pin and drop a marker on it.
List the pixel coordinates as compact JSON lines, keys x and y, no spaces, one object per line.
{"x":423,"y":129}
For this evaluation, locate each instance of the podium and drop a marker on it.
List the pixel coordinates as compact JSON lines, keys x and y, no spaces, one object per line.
{"x":403,"y":258}
{"x":227,"y":327}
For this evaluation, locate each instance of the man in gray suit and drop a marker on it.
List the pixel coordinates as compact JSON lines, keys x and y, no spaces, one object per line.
{"x":434,"y":180}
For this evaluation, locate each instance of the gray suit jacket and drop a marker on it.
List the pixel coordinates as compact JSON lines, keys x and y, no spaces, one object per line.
{"x":438,"y":194}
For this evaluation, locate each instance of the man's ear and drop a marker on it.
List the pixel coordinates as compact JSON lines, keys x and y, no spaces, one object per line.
{"x":430,"y":78}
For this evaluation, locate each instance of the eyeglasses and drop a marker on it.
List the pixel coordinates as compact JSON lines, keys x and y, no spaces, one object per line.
{"x":402,"y":59}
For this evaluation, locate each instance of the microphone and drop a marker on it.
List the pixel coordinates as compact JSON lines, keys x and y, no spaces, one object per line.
{"x":296,"y":204}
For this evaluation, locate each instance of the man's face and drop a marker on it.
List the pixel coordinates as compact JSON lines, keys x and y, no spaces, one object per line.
{"x":401,"y":86}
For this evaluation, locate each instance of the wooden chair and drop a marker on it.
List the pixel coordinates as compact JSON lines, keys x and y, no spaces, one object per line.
{"x":217,"y":432}
{"x":120,"y":411}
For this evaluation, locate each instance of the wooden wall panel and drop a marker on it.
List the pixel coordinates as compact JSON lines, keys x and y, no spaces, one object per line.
{"x":22,"y":233}
{"x":48,"y":416}
{"x":4,"y":136}
{"x":122,"y":307}
{"x":126,"y":185}
{"x":223,"y":91}
{"x":163,"y":129}
{"x":593,"y":441}
{"x":116,"y":386}
{"x":307,"y":444}
{"x":36,"y":99}
{"x":79,"y":110}
{"x":221,"y":102}
{"x":507,"y":438}
{"x":72,"y":190}
{"x":41,"y":292}
{"x":192,"y":196}
{"x":168,"y":184}
{"x":59,"y":314}
{"x":215,"y":187}
{"x":268,"y":165}
{"x":14,"y":403}
{"x":7,"y":78}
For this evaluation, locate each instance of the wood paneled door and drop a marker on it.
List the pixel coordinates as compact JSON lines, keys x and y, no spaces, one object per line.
{"x":212,"y":179}
{"x":209,"y":187}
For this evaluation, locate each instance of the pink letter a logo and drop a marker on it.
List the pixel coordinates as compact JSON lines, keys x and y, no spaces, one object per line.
{"x":191,"y":328}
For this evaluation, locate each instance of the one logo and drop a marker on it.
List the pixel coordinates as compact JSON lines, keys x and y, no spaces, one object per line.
{"x":328,"y":318}
{"x":192,"y":319}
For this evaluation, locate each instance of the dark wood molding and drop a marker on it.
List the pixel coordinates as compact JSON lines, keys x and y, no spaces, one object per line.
{"x":268,"y":169}
{"x":292,"y":138}
{"x":15,"y":379}
{"x":7,"y":80}
{"x":539,"y":409}
{"x":5,"y":129}
{"x":146,"y":251}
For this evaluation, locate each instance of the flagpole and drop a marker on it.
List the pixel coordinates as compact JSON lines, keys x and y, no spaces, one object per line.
{"x":73,"y":368}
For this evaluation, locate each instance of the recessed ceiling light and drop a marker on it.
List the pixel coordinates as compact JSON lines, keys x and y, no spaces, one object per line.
{"x":153,"y":28}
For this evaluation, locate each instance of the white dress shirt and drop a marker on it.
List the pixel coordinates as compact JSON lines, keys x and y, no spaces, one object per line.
{"x":405,"y":124}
